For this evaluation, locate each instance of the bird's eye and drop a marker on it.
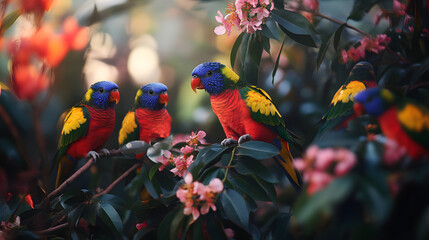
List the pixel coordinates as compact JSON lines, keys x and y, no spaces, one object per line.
{"x":151,"y":92}
{"x":194,"y":76}
{"x":209,"y":73}
{"x":100,"y":90}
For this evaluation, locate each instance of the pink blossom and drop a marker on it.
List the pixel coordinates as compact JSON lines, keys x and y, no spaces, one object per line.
{"x":345,"y":56}
{"x":216,"y":185}
{"x":398,"y":7}
{"x":312,"y":5}
{"x":318,"y":181}
{"x":141,"y":226}
{"x":346,"y":161}
{"x":324,"y":158}
{"x":186,"y":150}
{"x":195,"y":139}
{"x":251,"y":26}
{"x":198,"y":198}
{"x":229,"y":233}
{"x":299,"y":164}
{"x":260,"y":13}
{"x":182,"y":163}
{"x":165,"y":160}
{"x":247,"y":15}
{"x":224,"y":27}
{"x":393,"y":152}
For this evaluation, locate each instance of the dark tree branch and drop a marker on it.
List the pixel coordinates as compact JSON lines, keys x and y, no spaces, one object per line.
{"x":52,"y":229}
{"x":120,"y":178}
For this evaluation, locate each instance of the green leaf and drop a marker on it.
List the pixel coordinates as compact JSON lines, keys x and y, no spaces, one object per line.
{"x":235,"y":48}
{"x":207,"y":156}
{"x":248,"y":186}
{"x":235,"y":208}
{"x":9,"y":20}
{"x":337,"y":36}
{"x":266,"y":44}
{"x":257,"y":150}
{"x":309,"y":209}
{"x":133,"y":148}
{"x":158,"y":148}
{"x":249,"y":166}
{"x":276,"y":65}
{"x":214,"y":226}
{"x":322,"y":51}
{"x":296,"y":27}
{"x":280,"y":226}
{"x":153,"y":170}
{"x":255,"y":49}
{"x":270,"y":29}
{"x":151,"y":186}
{"x":90,"y":213}
{"x":74,"y":215}
{"x":164,"y":227}
{"x":360,"y":7}
{"x":110,"y":217}
{"x":268,"y":188}
{"x":176,"y":225}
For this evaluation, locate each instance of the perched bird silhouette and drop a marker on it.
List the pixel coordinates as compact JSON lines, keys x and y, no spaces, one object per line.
{"x":340,"y":110}
{"x":87,"y":126}
{"x":148,"y":119}
{"x":246,"y":112}
{"x":400,"y":119}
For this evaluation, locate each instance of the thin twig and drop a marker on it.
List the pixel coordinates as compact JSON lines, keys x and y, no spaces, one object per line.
{"x":229,"y":165}
{"x":52,"y":229}
{"x":79,"y":172}
{"x":69,"y":180}
{"x":120,"y":178}
{"x":341,"y":23}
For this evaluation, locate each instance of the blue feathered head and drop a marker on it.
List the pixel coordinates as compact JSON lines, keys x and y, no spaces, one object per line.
{"x":152,"y":96}
{"x":215,"y":78}
{"x":104,"y":94}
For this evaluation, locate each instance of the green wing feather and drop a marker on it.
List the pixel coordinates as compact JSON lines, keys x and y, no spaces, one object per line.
{"x":130,"y":129}
{"x":76,"y":124}
{"x":263,"y":110}
{"x":414,"y":120}
{"x":362,"y":76}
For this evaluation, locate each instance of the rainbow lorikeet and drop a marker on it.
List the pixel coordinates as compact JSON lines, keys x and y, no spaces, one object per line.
{"x":245,"y":112}
{"x":148,"y":119}
{"x":340,"y":110}
{"x":87,"y":126}
{"x":402,"y":120}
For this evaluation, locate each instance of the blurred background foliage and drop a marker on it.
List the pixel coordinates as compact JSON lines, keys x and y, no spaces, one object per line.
{"x":134,"y":42}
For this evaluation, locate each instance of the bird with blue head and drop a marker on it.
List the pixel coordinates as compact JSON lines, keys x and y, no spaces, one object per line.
{"x":401,"y":119}
{"x":245,"y":112}
{"x":148,"y":119}
{"x":87,"y":126}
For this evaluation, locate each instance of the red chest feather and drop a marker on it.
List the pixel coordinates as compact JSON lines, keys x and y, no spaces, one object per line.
{"x":392,"y":129}
{"x":153,"y":123}
{"x":101,"y":126}
{"x":234,"y":115}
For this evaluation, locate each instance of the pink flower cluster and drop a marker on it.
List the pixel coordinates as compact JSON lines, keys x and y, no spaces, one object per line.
{"x":374,"y":45}
{"x":246,"y":15}
{"x":141,"y":226}
{"x":305,"y":7}
{"x":399,"y":9}
{"x":197,"y":197}
{"x":182,"y":162}
{"x":321,"y":166}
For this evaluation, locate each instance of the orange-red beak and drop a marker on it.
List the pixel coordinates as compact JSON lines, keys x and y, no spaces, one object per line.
{"x":358,"y":109}
{"x":196,"y":84}
{"x":114,"y":96}
{"x":163,"y":98}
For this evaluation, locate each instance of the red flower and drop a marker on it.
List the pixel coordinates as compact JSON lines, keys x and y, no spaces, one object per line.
{"x":27,"y":81}
{"x":28,"y":200}
{"x":141,"y":226}
{"x":35,"y":5}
